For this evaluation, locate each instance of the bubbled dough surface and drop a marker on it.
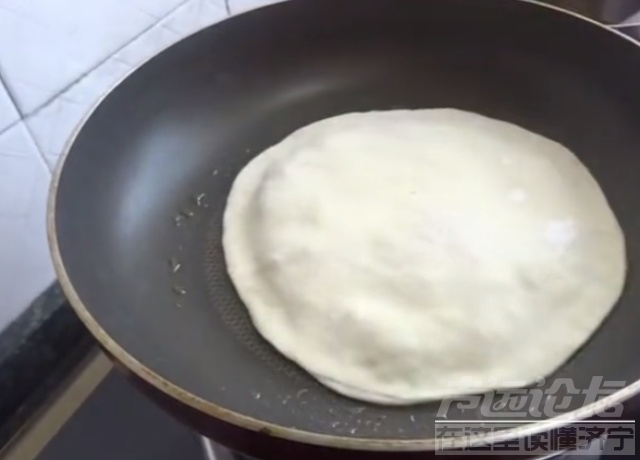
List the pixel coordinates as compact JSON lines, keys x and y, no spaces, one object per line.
{"x":396,"y":255}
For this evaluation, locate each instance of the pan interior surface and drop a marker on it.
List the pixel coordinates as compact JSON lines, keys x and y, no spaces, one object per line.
{"x":144,"y":185}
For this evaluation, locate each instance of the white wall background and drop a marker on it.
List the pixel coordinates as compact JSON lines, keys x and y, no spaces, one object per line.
{"x":56,"y":58}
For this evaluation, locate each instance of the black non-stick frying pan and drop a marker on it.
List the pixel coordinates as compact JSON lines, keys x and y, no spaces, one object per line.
{"x":143,"y":185}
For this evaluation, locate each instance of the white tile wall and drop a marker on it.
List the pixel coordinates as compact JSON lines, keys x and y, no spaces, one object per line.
{"x":25,"y":268}
{"x":57,"y":58}
{"x":47,"y":44}
{"x":52,"y":124}
{"x":8,"y":112}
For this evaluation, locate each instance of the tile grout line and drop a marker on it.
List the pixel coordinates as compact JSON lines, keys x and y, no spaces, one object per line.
{"x":38,"y":149}
{"x":12,"y":98}
{"x":24,"y":116}
{"x":9,"y":92}
{"x":12,"y":124}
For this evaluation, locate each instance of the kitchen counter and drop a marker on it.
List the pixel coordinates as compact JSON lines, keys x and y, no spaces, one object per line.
{"x":37,"y":352}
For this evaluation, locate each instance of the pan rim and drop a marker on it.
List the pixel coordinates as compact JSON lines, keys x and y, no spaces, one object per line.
{"x":220,"y":413}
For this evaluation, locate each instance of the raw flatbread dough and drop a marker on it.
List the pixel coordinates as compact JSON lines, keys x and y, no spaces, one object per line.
{"x":397,"y":255}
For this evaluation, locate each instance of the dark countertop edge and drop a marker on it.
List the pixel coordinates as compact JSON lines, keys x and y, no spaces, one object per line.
{"x":37,"y":352}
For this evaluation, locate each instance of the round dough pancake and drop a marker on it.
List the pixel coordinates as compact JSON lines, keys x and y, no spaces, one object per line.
{"x":405,"y":256}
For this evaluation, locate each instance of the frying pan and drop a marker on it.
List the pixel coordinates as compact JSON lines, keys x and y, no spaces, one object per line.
{"x":143,"y":184}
